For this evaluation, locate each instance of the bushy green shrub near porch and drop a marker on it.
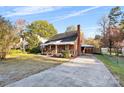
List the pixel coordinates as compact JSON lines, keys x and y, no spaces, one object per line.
{"x":34,"y":50}
{"x":66,"y":54}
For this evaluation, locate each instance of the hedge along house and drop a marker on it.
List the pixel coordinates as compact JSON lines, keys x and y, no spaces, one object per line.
{"x":68,"y":41}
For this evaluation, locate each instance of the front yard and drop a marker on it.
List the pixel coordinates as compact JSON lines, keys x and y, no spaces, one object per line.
{"x":18,"y":67}
{"x":117,"y":69}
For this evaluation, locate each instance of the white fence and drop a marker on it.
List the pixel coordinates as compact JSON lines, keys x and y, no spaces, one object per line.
{"x":104,"y":50}
{"x":123,"y":51}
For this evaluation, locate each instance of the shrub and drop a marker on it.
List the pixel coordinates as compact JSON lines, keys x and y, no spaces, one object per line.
{"x":34,"y":50}
{"x":66,"y":54}
{"x":15,"y":52}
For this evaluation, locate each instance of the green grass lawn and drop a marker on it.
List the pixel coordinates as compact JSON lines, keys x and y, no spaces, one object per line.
{"x":20,"y":65}
{"x":117,"y":69}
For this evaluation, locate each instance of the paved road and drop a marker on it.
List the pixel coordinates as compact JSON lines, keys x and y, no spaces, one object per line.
{"x":83,"y":71}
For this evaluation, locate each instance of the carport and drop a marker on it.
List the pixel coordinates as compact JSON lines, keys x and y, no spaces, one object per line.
{"x":87,"y":49}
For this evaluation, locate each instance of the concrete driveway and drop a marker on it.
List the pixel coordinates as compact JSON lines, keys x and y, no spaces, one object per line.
{"x":83,"y":71}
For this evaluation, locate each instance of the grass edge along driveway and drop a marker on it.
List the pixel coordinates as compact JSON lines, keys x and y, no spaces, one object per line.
{"x":116,"y":69}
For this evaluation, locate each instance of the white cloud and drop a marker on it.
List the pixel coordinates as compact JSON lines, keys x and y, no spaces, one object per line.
{"x":76,"y":13}
{"x":20,"y":11}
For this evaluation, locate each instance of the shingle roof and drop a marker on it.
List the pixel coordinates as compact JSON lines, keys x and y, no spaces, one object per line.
{"x":64,"y":37}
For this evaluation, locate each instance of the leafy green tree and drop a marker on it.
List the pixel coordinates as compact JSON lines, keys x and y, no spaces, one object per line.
{"x":42,"y":28}
{"x":33,"y":41}
{"x":36,"y":30}
{"x":92,"y":41}
{"x":114,"y":16}
{"x":8,"y":37}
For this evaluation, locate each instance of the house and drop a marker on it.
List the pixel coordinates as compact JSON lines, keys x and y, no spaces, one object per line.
{"x":68,"y":41}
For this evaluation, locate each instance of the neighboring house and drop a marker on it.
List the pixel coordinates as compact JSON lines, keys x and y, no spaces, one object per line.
{"x":68,"y":41}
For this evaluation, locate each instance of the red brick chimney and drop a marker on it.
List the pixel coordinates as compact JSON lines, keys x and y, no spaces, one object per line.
{"x":78,"y":41}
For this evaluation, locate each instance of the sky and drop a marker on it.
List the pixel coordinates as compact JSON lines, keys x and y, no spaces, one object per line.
{"x":60,"y":16}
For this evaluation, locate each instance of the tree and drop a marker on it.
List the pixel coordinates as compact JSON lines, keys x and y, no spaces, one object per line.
{"x":122,"y":26}
{"x":114,"y":19}
{"x":97,"y":37}
{"x":114,"y":16}
{"x":103,"y":29}
{"x":103,"y":25}
{"x":71,"y":28}
{"x":21,"y":26}
{"x":109,"y":25}
{"x":37,"y":30}
{"x":33,"y":42}
{"x":42,"y":28}
{"x":112,"y":29}
{"x":92,"y":41}
{"x":8,"y":37}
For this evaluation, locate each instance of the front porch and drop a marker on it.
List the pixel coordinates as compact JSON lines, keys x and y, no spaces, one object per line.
{"x":57,"y":50}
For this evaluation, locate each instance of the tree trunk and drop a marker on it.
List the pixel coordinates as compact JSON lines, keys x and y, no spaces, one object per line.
{"x":117,"y":55}
{"x":2,"y":55}
{"x":110,"y":46}
{"x":110,"y":51}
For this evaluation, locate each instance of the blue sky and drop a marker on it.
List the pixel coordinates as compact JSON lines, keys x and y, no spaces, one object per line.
{"x":61,"y":17}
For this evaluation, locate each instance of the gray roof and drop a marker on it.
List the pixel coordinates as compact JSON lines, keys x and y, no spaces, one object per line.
{"x":88,"y":46}
{"x":64,"y":37}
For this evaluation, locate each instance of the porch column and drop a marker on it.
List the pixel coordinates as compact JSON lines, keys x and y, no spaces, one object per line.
{"x":42,"y":48}
{"x":50,"y":49}
{"x":56,"y":49}
{"x":67,"y":47}
{"x":75,"y":49}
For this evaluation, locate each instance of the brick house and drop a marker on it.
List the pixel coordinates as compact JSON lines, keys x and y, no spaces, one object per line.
{"x":70,"y":41}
